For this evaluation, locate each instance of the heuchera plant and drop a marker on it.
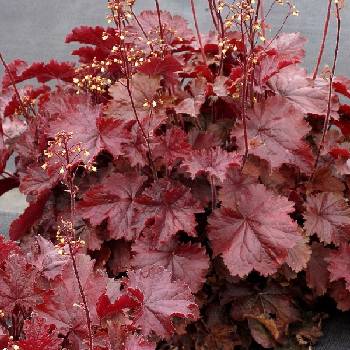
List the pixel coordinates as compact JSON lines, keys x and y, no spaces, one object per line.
{"x":184,"y":190}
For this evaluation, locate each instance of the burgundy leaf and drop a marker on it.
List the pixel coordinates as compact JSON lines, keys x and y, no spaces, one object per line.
{"x":114,"y":199}
{"x":75,"y":114}
{"x":166,"y":66}
{"x":7,"y":248}
{"x":113,"y":134}
{"x":67,"y":313}
{"x":30,"y":216}
{"x":144,"y":93}
{"x":34,"y":180}
{"x":257,"y":233}
{"x":176,"y":258}
{"x":121,"y":257}
{"x":341,"y":295}
{"x":18,"y":284}
{"x":234,"y":183}
{"x":328,"y":215}
{"x":172,"y":146}
{"x":275,"y":133}
{"x":39,"y":336}
{"x":162,"y":300}
{"x":339,"y":264}
{"x":45,"y":257}
{"x":171,"y":206}
{"x":44,"y":72}
{"x":306,"y":94}
{"x":93,"y":36}
{"x":213,"y":162}
{"x":317,"y":274}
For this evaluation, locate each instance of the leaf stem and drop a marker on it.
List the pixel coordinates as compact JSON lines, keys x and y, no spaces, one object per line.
{"x":71,"y":188}
{"x":244,"y":95}
{"x":160,"y":22}
{"x":324,"y":37}
{"x":330,"y":92}
{"x":193,"y":7}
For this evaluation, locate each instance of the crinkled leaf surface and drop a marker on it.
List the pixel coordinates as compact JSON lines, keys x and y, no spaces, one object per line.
{"x":328,"y":215}
{"x":256,"y":233}
{"x":275,"y":131}
{"x":171,"y":207}
{"x":114,"y":199}
{"x":18,"y":284}
{"x":176,"y":258}
{"x":214,"y":162}
{"x":162,"y":300}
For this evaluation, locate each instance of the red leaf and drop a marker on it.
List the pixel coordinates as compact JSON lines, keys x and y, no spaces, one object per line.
{"x":106,"y":309}
{"x":64,"y":71}
{"x":339,"y":265}
{"x":166,"y":67}
{"x":234,"y":183}
{"x":161,"y":66}
{"x":39,"y":336}
{"x":194,"y":99}
{"x":67,"y":313}
{"x":7,"y":248}
{"x":275,"y":132}
{"x":339,"y":153}
{"x":93,"y":36}
{"x":307,"y":95}
{"x":162,"y":300}
{"x":15,"y":68}
{"x":257,"y":233}
{"x":43,"y":72}
{"x":144,"y":92}
{"x":299,"y":255}
{"x":172,"y":146}
{"x":134,"y":342}
{"x":45,"y":257}
{"x":113,"y":134}
{"x":328,"y":215}
{"x":289,"y":45}
{"x":30,"y":216}
{"x":28,"y":95}
{"x":35,"y":180}
{"x":317,"y":274}
{"x":114,"y":199}
{"x":175,"y":258}
{"x":75,"y":114}
{"x":341,"y":295}
{"x":342,"y":86}
{"x":171,"y":206}
{"x":213,"y":162}
{"x":175,"y":31}
{"x":18,"y":282}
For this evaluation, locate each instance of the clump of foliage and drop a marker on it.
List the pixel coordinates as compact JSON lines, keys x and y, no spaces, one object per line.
{"x":184,"y":190}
